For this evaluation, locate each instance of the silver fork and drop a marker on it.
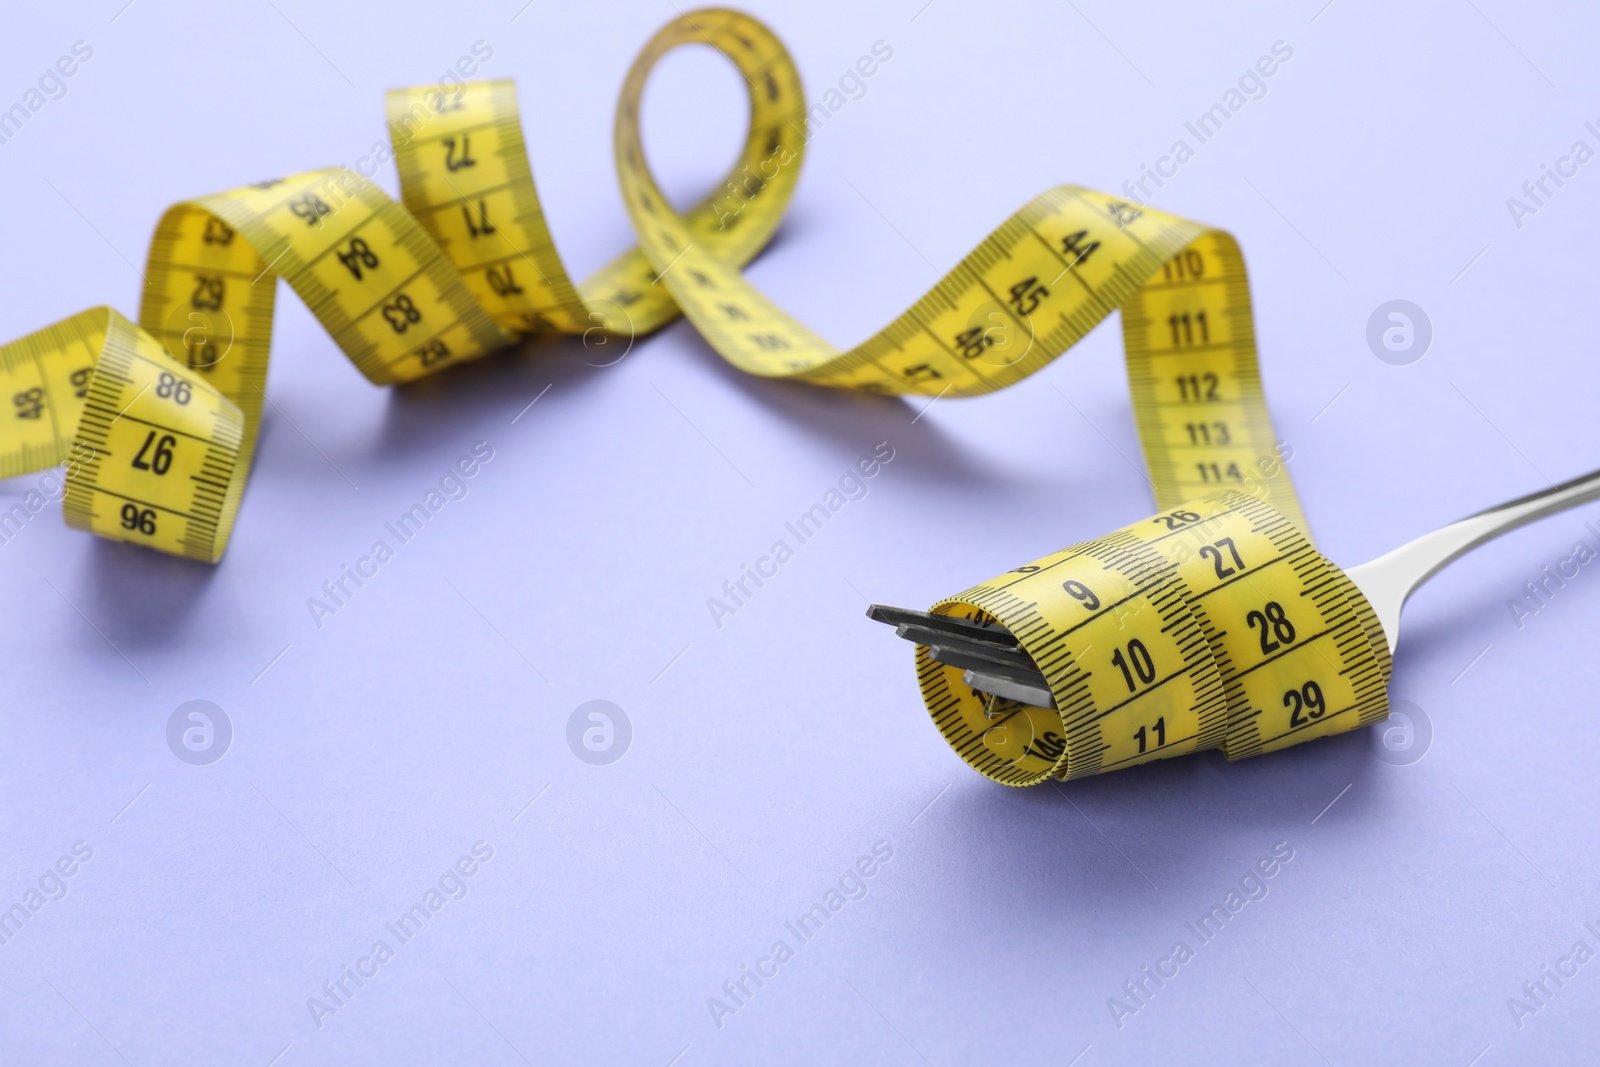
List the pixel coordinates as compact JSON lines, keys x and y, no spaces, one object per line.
{"x":994,"y":663}
{"x":1387,"y":581}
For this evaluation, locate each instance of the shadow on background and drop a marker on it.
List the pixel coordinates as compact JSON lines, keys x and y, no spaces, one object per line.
{"x":440,"y":410}
{"x":139,"y":598}
{"x":828,"y":416}
{"x":1178,"y":831}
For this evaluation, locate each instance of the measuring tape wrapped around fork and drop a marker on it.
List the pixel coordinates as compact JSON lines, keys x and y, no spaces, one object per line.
{"x":1146,"y":654}
{"x":1214,"y":625}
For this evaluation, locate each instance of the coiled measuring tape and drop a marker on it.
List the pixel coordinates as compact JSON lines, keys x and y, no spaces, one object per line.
{"x":1216,"y":624}
{"x":157,"y":422}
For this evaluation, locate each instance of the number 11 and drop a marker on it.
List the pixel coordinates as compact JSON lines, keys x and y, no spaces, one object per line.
{"x":1160,"y":730}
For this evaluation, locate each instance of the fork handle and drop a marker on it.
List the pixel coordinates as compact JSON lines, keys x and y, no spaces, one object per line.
{"x":1416,"y":561}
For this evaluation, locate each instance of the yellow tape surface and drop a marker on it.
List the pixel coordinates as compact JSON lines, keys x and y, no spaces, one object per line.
{"x":1213,"y":625}
{"x":161,"y":418}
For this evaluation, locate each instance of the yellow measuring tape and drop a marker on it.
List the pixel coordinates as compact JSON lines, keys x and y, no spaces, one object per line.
{"x":1213,"y":625}
{"x":158,"y":421}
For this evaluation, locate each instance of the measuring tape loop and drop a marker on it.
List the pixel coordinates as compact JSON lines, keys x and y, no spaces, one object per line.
{"x":468,"y":266}
{"x":1027,"y":293}
{"x":1216,"y":624}
{"x":161,"y":418}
